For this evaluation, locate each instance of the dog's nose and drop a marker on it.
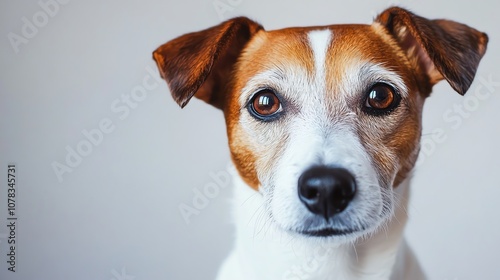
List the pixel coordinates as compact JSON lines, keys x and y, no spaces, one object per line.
{"x":325,"y":190}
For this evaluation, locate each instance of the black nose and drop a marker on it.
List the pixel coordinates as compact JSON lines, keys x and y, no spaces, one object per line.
{"x":325,"y":190}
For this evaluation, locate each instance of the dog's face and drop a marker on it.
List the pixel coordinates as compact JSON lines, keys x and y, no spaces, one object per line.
{"x":323,"y":121}
{"x":341,"y":97}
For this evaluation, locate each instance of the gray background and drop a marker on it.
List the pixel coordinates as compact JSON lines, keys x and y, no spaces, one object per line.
{"x":116,"y":215}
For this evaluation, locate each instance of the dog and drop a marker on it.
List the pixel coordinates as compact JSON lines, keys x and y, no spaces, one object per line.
{"x":324,"y":125}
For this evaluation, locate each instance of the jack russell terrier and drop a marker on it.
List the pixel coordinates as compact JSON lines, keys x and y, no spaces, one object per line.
{"x":324,"y":126}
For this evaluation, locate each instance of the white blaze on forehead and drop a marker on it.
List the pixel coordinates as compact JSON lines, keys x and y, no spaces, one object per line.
{"x":319,"y":41}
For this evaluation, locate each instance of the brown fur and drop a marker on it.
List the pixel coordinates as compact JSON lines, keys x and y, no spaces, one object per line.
{"x":272,"y":50}
{"x":215,"y":64}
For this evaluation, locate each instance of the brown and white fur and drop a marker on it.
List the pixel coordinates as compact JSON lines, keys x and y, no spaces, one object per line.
{"x":322,"y":77}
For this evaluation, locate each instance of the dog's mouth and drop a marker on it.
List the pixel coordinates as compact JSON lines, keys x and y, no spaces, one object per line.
{"x":326,"y":232}
{"x":330,"y":232}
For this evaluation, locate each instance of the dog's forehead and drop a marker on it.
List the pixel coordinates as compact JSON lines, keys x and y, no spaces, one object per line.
{"x":343,"y":45}
{"x":327,"y":59}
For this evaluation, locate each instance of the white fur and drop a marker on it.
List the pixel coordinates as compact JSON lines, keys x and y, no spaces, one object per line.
{"x":319,"y":128}
{"x":263,"y":252}
{"x":319,"y":41}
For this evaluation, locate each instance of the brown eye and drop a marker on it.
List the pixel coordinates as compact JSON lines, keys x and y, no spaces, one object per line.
{"x":264,"y":104}
{"x":381,"y":98}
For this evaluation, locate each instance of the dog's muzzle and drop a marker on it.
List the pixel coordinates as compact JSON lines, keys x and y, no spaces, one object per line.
{"x":326,"y":191}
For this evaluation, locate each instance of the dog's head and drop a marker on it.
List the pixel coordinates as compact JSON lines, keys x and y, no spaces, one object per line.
{"x":323,"y":121}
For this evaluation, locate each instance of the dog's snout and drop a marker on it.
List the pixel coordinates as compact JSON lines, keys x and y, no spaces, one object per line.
{"x":325,"y":190}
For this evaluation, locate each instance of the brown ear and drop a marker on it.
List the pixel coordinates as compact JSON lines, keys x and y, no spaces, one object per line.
{"x":200,"y":63}
{"x":440,"y":48}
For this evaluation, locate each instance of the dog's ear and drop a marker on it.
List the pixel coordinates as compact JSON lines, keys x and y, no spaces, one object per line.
{"x":200,"y":63}
{"x":442,"y":49}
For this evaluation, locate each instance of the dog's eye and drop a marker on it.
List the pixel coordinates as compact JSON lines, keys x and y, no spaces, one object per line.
{"x":381,"y":98}
{"x":264,"y":104}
